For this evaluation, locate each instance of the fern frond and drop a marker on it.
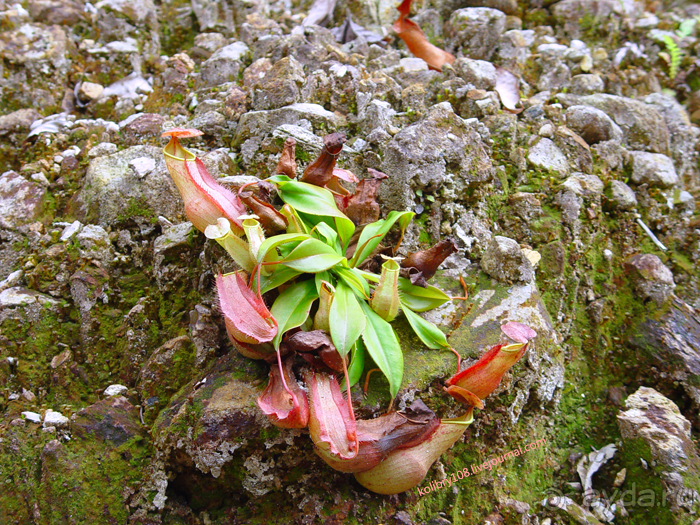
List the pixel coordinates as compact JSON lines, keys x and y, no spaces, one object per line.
{"x":675,"y":56}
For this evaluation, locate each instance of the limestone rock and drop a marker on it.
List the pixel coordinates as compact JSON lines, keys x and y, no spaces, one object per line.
{"x":144,"y":128}
{"x":505,"y":261}
{"x":37,"y":64}
{"x":61,"y":12}
{"x":137,"y":11}
{"x":165,"y":371}
{"x":21,"y":201}
{"x":115,"y":390}
{"x":55,"y":419}
{"x":650,"y":277}
{"x":440,"y":151}
{"x":280,"y":85}
{"x":479,"y":73}
{"x":586,"y":84}
{"x":621,"y":195}
{"x":223,"y":66}
{"x":167,"y":249}
{"x":568,"y":13}
{"x":669,"y":344}
{"x":474,"y":31}
{"x":546,"y":155}
{"x":592,"y":124}
{"x":584,"y":185}
{"x":18,"y":122}
{"x":642,"y":125}
{"x":377,"y":115}
{"x":113,"y":420}
{"x":112,"y":188}
{"x":683,"y":137}
{"x":654,"y":428}
{"x":653,"y":169}
{"x":257,"y":123}
{"x":18,"y":296}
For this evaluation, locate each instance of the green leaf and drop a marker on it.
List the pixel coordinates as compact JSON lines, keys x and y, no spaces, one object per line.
{"x":373,"y":233}
{"x":278,"y":240}
{"x":278,"y":277}
{"x":330,"y":236}
{"x":426,"y":331}
{"x":353,"y":278}
{"x":292,"y":307}
{"x":383,"y":346}
{"x":357,"y":362}
{"x":310,"y":199}
{"x":345,"y":229}
{"x":420,"y":299}
{"x":347,"y":321}
{"x":279,"y":179}
{"x":320,"y":277}
{"x":312,"y":256}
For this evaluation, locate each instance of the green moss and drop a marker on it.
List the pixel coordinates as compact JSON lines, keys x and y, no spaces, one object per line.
{"x":642,"y":485}
{"x":63,"y":482}
{"x":138,"y":208}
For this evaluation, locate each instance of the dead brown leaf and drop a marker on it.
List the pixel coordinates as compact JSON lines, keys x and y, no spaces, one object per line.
{"x":508,"y":88}
{"x":416,"y":41}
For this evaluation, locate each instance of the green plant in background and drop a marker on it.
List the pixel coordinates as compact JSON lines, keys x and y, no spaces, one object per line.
{"x":319,"y":280}
{"x":673,"y":57}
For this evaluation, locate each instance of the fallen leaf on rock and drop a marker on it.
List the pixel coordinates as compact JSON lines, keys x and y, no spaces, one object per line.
{"x":131,"y":86}
{"x":416,"y":41}
{"x":319,"y":343}
{"x":589,"y":465}
{"x":350,"y":31}
{"x":508,"y":88}
{"x":320,"y":14}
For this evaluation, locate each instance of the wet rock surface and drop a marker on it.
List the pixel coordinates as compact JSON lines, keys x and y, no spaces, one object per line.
{"x":574,"y":213}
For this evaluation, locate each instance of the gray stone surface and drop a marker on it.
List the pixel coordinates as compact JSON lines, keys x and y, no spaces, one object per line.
{"x":650,"y":277}
{"x":505,"y":261}
{"x":545,"y":155}
{"x":621,"y":195}
{"x":584,"y":185}
{"x":642,"y":125}
{"x":112,"y":188}
{"x":653,"y":169}
{"x":224,"y":65}
{"x":258,"y":123}
{"x":441,"y":151}
{"x":21,"y":201}
{"x":592,"y":124}
{"x":474,"y":31}
{"x":280,"y":86}
{"x":586,"y":84}
{"x":683,"y":138}
{"x":568,"y":13}
{"x":666,"y":437}
{"x":480,"y":73}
